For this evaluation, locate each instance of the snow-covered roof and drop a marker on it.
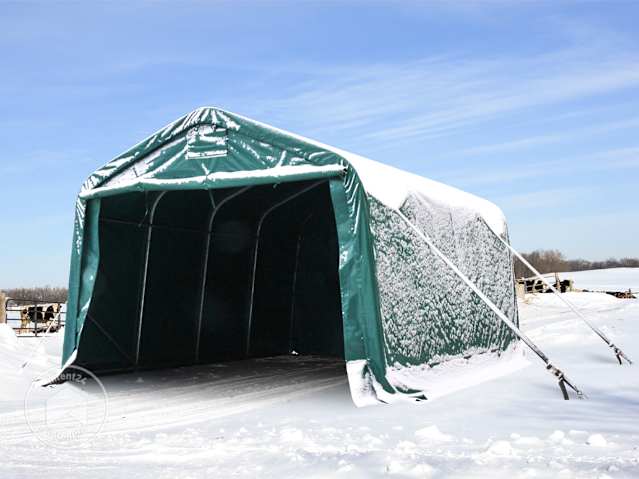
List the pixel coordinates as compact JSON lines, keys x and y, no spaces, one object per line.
{"x":389,"y":185}
{"x":392,"y":186}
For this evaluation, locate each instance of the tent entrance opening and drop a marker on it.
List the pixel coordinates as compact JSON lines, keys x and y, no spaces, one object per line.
{"x":201,"y":276}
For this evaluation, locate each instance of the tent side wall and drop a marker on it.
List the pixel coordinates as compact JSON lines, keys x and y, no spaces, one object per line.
{"x":428,"y":315}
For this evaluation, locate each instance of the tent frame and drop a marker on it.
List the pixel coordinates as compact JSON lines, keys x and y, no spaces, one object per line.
{"x":215,"y":210}
{"x":147,"y":250}
{"x":256,"y":252}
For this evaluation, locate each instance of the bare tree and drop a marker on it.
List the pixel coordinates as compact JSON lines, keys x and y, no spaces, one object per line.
{"x":553,"y":261}
{"x":45,"y":294}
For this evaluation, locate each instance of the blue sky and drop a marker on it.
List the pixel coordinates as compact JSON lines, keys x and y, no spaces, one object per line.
{"x":533,"y":105}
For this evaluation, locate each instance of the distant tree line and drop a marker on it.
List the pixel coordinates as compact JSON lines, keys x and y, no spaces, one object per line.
{"x":46,"y":294}
{"x":553,"y":261}
{"x":545,"y":261}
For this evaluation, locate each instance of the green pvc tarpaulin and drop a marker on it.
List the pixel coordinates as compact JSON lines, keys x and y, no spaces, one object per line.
{"x":221,"y":238}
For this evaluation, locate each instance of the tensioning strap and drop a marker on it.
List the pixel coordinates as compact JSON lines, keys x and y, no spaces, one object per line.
{"x":556,"y":372}
{"x":619,"y":354}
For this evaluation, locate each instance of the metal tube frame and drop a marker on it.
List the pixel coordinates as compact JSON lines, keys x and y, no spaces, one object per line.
{"x":256,"y":250}
{"x":147,"y":250}
{"x":214,"y":211}
{"x":298,"y":248}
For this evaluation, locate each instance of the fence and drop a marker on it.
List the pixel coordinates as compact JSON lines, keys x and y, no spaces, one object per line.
{"x":536,"y":285}
{"x":30,"y":317}
{"x":3,"y":313}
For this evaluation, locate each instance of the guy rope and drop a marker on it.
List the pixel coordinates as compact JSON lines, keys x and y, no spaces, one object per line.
{"x":619,"y":354}
{"x":555,"y":371}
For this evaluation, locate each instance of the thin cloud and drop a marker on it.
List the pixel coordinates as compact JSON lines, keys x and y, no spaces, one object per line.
{"x":527,"y":143}
{"x":536,"y":199}
{"x":444,"y":96}
{"x":619,"y":158}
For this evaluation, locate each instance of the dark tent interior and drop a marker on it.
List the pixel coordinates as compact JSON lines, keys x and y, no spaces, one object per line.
{"x":228,"y":274}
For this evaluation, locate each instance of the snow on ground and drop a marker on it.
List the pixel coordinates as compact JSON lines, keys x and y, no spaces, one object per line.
{"x":293,"y":417}
{"x":613,"y":279}
{"x":22,"y":359}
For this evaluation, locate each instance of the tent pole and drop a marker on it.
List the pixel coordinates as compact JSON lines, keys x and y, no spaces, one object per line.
{"x":294,"y":285}
{"x":147,"y":250}
{"x":256,"y":249}
{"x":293,"y":288}
{"x":619,"y":354}
{"x":556,"y":372}
{"x":205,"y":266}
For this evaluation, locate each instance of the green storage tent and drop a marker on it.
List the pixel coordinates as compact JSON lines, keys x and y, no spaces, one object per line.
{"x":221,"y":238}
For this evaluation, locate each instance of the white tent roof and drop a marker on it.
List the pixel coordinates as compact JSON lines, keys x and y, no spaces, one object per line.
{"x":392,"y":186}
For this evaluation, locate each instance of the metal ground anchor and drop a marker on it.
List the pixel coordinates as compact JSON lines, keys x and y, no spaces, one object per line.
{"x":619,"y":354}
{"x":564,"y":391}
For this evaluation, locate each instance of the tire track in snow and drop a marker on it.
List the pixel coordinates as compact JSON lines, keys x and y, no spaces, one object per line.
{"x":130,"y":412}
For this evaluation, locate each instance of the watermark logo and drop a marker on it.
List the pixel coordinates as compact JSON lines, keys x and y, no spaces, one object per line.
{"x":66,"y":414}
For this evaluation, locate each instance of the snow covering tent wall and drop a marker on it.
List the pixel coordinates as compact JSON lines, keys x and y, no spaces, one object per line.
{"x":219,"y":237}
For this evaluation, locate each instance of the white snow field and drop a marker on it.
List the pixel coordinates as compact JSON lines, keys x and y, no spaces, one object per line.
{"x":613,"y":279}
{"x":293,"y":417}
